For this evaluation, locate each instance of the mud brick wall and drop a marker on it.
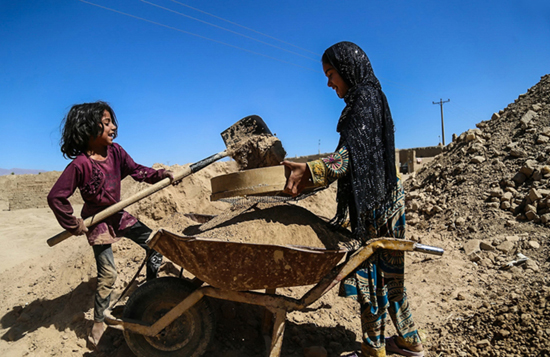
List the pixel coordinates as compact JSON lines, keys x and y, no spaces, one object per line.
{"x":29,"y":191}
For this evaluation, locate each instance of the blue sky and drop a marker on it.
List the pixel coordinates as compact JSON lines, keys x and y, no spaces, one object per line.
{"x":176,"y":83}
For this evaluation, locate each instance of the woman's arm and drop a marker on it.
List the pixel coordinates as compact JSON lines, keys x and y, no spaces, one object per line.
{"x":321,"y":172}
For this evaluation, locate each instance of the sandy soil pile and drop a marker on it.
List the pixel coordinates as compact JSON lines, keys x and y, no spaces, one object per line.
{"x":479,"y":299}
{"x":271,"y":223}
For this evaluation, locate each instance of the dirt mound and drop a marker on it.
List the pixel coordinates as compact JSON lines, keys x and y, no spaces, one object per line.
{"x":47,"y":293}
{"x":272,"y":223}
{"x":489,"y":192}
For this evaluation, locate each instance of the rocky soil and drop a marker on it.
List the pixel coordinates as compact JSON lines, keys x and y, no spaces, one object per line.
{"x":489,"y":193}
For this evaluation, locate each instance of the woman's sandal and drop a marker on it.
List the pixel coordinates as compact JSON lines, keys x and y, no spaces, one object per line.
{"x":391,"y":346}
{"x":353,"y":354}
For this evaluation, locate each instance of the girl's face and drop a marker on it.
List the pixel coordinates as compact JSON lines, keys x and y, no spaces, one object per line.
{"x":335,"y":81}
{"x":109,"y":130}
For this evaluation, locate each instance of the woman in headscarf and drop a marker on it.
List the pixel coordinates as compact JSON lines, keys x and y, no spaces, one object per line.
{"x":370,"y":194}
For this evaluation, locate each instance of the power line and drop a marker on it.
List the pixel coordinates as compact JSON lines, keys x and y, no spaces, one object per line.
{"x":246,"y":28}
{"x":411,"y":89}
{"x":196,"y":35}
{"x":233,"y":32}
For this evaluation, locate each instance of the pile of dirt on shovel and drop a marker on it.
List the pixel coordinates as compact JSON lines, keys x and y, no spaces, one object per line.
{"x":258,"y":151}
{"x":272,"y":223}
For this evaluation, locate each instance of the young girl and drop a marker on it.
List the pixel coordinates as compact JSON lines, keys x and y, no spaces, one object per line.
{"x":370,"y":193}
{"x":97,"y":169}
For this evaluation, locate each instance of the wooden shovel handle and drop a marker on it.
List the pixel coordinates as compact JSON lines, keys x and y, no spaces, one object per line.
{"x":100,"y":216}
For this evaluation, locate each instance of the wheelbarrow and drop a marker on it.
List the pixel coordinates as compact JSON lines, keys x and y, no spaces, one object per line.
{"x":171,"y":317}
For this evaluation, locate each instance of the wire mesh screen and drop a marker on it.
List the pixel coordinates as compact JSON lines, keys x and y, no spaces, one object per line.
{"x":278,"y":198}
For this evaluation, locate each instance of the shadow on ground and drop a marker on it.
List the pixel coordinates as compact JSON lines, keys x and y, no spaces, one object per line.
{"x":66,"y":311}
{"x":238,"y":330}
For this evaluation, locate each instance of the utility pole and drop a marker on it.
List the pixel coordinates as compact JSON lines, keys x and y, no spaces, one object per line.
{"x":319,"y":147}
{"x":441,"y":102}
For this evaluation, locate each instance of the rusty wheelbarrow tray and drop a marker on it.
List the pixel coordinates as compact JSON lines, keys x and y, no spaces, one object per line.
{"x":232,"y":271}
{"x":246,"y":266}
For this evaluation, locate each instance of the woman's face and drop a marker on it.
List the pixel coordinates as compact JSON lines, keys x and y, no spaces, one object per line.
{"x":335,"y":81}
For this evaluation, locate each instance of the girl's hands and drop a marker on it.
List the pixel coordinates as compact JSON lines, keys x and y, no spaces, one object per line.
{"x":298,"y":176}
{"x":170,"y":174}
{"x":80,"y":228}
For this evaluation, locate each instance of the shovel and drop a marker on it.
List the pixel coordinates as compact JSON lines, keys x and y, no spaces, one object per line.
{"x":233,"y":136}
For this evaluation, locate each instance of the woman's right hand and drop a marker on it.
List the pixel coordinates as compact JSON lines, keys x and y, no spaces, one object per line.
{"x":298,"y":176}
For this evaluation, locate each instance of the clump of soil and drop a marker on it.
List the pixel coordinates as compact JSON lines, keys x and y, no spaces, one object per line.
{"x":258,"y":151}
{"x":251,"y":144}
{"x":272,"y":223}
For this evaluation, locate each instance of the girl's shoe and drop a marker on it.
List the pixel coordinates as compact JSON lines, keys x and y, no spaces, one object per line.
{"x":94,"y":341}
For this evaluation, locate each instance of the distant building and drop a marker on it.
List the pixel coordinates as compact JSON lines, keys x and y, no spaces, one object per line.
{"x":407,"y":160}
{"x":411,"y":160}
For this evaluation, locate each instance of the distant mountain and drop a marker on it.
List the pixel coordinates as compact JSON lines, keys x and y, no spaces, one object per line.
{"x":19,"y":171}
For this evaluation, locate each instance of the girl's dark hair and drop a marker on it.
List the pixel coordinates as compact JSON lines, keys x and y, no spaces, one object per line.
{"x":82,"y":123}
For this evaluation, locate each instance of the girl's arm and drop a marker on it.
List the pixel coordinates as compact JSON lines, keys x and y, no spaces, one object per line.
{"x":139,"y":172}
{"x":322,"y":172}
{"x":58,"y":198}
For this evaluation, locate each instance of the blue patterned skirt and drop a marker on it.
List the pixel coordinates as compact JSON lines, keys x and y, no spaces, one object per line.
{"x":378,"y":283}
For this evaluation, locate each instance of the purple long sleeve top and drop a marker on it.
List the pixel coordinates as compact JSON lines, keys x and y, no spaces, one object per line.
{"x":99,"y":184}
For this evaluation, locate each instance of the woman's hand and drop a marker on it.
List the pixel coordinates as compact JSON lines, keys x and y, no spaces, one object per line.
{"x":298,"y":176}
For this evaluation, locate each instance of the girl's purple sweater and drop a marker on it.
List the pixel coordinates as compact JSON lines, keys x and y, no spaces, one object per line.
{"x":99,"y":185}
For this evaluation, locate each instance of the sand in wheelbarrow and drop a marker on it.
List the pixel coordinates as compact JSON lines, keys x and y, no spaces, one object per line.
{"x":273,"y":223}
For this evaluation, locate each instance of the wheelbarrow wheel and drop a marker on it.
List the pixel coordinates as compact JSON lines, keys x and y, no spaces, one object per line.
{"x":188,"y":335}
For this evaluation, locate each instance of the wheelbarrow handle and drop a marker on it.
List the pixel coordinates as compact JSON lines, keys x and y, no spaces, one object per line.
{"x":428,"y":249}
{"x":358,"y":257}
{"x":58,"y":238}
{"x":385,"y":243}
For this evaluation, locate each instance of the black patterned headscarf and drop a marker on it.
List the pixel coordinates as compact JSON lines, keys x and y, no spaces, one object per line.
{"x":367,"y":131}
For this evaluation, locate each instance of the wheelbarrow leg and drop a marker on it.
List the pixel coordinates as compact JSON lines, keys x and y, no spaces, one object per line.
{"x":267,"y":323}
{"x":278,"y":333}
